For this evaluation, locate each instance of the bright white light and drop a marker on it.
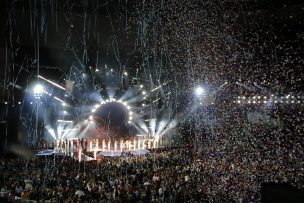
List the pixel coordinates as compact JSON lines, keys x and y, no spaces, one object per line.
{"x":144,"y":92}
{"x":63,"y":104}
{"x":199,"y":91}
{"x":141,"y":86}
{"x":64,"y":121}
{"x":143,"y":104}
{"x":107,"y":100}
{"x":91,"y":117}
{"x":128,"y":107}
{"x":93,"y":110}
{"x":96,"y":70}
{"x":19,"y":102}
{"x":125,"y":73}
{"x":51,"y":82}
{"x":130,"y":112}
{"x":38,"y":89}
{"x":64,"y":112}
{"x":96,"y":105}
{"x":238,"y":101}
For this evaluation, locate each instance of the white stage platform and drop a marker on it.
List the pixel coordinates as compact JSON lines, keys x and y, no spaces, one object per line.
{"x":112,"y":153}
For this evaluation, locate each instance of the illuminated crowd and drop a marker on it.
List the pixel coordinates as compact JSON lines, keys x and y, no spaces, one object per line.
{"x":228,"y":161}
{"x":231,"y":170}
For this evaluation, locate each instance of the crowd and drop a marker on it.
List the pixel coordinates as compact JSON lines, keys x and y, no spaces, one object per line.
{"x":231,"y":162}
{"x":222,"y":172}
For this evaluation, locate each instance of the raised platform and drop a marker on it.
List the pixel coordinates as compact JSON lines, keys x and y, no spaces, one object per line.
{"x":76,"y":147}
{"x":112,"y":153}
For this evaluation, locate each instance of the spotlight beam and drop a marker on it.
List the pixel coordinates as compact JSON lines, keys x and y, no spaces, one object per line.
{"x":51,"y":82}
{"x":53,"y":96}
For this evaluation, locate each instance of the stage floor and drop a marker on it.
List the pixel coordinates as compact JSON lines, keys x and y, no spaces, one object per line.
{"x":112,"y":153}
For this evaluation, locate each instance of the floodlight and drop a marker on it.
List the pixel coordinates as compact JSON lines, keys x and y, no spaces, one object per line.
{"x":38,"y":89}
{"x":199,"y":91}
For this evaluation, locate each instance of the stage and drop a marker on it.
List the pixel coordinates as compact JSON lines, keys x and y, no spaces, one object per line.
{"x":79,"y":148}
